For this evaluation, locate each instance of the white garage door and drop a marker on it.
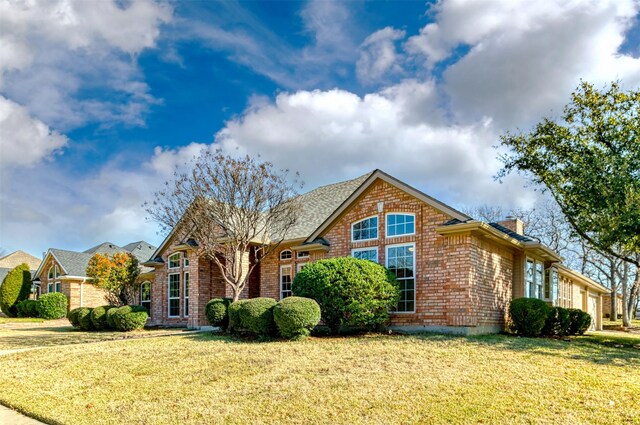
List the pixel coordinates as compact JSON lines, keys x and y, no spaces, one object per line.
{"x":593,"y":311}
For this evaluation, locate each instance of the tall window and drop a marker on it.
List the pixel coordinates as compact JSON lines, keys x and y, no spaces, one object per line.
{"x":401,"y":262}
{"x":286,"y":254}
{"x":174,"y":261}
{"x":534,"y":279}
{"x":174,"y":295}
{"x":400,"y":224}
{"x":285,"y":282}
{"x":186,"y":294}
{"x":370,"y":254}
{"x":145,"y":295}
{"x":551,"y":286}
{"x":53,"y":284}
{"x":364,"y":230}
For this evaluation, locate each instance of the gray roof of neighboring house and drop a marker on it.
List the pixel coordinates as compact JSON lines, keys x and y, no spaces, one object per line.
{"x":320,"y":203}
{"x":75,"y":263}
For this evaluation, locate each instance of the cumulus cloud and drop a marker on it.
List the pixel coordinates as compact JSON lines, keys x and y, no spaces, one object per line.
{"x":23,"y":139}
{"x":378,"y":55}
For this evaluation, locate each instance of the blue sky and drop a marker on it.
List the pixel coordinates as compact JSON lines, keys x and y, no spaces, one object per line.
{"x":99,"y":101}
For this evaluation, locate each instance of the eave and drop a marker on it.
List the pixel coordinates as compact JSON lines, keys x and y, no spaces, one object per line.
{"x":542,"y":251}
{"x":311,"y":247}
{"x":483,"y":229}
{"x":575,"y":275}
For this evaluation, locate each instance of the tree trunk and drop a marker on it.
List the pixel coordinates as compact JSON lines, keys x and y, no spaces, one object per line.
{"x":613,"y":312}
{"x":626,"y":320}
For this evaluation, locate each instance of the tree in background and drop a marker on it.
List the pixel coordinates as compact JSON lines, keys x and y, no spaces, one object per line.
{"x":230,"y":207}
{"x":16,"y":287}
{"x":117,"y":274}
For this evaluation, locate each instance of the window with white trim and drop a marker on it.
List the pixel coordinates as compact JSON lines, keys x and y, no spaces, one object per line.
{"x":285,"y":282}
{"x":370,"y":254}
{"x":286,"y":254}
{"x":174,"y":295}
{"x":53,"y":284}
{"x":186,"y":294}
{"x":174,"y":261}
{"x":185,"y":261}
{"x":551,"y":286}
{"x":302,"y":254}
{"x":400,"y":224}
{"x":365,"y":229}
{"x":401,"y":262}
{"x":534,"y":279}
{"x":300,"y":266}
{"x":145,"y":295}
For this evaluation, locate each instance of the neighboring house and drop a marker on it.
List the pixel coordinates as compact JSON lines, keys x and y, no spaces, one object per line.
{"x":65,"y":271}
{"x":11,"y":261}
{"x":606,"y":305}
{"x":456,"y":274}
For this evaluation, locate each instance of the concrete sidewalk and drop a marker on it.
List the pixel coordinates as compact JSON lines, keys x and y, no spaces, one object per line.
{"x":11,"y":417}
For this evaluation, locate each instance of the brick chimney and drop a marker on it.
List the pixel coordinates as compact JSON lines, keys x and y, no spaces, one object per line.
{"x":514,"y":224}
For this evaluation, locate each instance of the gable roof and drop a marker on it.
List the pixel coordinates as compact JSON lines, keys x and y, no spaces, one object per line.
{"x":75,"y":263}
{"x":16,"y":258}
{"x":366,"y":183}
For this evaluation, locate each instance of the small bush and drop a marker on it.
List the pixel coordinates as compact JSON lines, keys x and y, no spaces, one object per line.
{"x":52,"y":306}
{"x":528,"y":316}
{"x":72,"y":317}
{"x":15,"y":287}
{"x":295,"y":317}
{"x":351,"y":292}
{"x":99,"y":317}
{"x":579,"y":321}
{"x":27,"y":308}
{"x":109,"y":317}
{"x":233,"y":311}
{"x":130,"y":317}
{"x":557,"y":323}
{"x":256,"y":316}
{"x":216,"y":312}
{"x":84,"y":319}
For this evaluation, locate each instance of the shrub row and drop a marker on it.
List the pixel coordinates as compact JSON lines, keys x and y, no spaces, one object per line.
{"x":109,"y":317}
{"x":534,"y":317}
{"x":292,"y":318}
{"x":48,"y":306}
{"x":27,"y":308}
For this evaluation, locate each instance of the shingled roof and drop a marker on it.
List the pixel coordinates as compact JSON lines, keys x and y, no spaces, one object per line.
{"x":320,"y":203}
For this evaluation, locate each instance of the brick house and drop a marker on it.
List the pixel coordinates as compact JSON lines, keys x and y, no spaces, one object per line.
{"x":65,"y":271}
{"x":456,"y":274}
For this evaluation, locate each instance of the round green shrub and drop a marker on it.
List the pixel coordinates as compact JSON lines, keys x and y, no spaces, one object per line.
{"x":27,"y":308}
{"x":99,"y":317}
{"x":72,"y":317}
{"x":295,"y":317}
{"x":351,"y":292}
{"x":579,"y":321}
{"x":256,"y":316}
{"x":109,"y":317}
{"x":52,"y":306}
{"x":233,"y":311}
{"x":528,"y":316}
{"x":216,"y":312}
{"x":130,"y":317}
{"x":557,"y":323}
{"x":16,"y":287}
{"x":84,"y":319}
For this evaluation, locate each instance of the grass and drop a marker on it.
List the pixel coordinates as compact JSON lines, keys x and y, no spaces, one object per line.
{"x":617,"y":324}
{"x":8,"y":320}
{"x":613,"y":339}
{"x":205,"y":378}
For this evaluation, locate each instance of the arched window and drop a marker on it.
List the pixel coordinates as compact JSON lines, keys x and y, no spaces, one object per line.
{"x":145,"y":295}
{"x":365,"y":229}
{"x":174,"y":261}
{"x":286,"y":254}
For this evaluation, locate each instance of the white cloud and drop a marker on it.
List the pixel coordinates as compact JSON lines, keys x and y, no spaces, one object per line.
{"x":25,"y":140}
{"x":378,"y":55}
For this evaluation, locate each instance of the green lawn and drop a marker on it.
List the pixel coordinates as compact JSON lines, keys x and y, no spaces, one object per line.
{"x":5,"y":320}
{"x":204,"y":378}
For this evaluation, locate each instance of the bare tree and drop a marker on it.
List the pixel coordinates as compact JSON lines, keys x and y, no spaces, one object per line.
{"x":237,"y":211}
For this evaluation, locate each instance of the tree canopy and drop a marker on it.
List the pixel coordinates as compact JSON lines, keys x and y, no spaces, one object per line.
{"x":590,"y":162}
{"x":117,"y":274}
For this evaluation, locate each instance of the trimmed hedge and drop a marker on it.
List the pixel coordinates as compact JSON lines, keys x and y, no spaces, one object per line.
{"x":99,"y":317}
{"x":233,"y":311}
{"x":130,"y":317}
{"x":216,"y":312}
{"x":351,"y":292}
{"x":16,"y":287}
{"x":84,"y":319}
{"x":72,"y":316}
{"x":528,"y":315}
{"x":256,"y":316}
{"x":52,"y":306}
{"x":109,"y":317}
{"x":27,"y":308}
{"x":579,"y":321}
{"x":295,"y":317}
{"x":557,"y":323}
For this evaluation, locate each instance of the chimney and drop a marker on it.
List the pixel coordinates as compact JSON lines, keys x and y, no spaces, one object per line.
{"x":514,"y":224}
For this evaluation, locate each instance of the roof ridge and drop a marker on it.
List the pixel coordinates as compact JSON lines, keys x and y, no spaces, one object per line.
{"x":366,"y":175}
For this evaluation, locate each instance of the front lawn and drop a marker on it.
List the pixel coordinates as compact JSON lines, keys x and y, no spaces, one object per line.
{"x":204,"y":378}
{"x":4,"y":320}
